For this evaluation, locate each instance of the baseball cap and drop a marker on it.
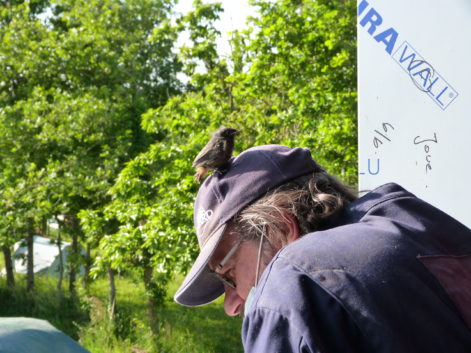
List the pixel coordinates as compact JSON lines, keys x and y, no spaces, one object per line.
{"x":248,"y":177}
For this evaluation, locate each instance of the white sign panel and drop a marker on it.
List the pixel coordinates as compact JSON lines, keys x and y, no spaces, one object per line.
{"x":414,"y":83}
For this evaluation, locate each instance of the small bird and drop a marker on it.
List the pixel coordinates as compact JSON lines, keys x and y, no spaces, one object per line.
{"x":216,"y":154}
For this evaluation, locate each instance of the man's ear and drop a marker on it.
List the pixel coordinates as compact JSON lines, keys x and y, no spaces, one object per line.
{"x":292,"y":227}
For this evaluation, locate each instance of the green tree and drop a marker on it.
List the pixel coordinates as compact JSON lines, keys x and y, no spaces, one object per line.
{"x":75,"y":85}
{"x":153,"y":195}
{"x":299,"y":82}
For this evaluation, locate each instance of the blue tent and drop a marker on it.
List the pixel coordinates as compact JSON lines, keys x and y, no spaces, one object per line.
{"x":26,"y":335}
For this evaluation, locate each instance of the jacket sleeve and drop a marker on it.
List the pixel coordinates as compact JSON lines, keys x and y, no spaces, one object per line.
{"x":312,"y":322}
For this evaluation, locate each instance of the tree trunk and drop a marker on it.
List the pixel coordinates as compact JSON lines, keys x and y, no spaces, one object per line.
{"x":88,"y":265}
{"x":30,"y":258}
{"x":61,"y":260}
{"x":151,"y":302}
{"x":112,"y":305}
{"x":43,"y":230}
{"x":72,"y":223}
{"x":8,"y":265}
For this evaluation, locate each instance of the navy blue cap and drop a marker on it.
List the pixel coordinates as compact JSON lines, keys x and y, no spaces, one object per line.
{"x":248,"y":177}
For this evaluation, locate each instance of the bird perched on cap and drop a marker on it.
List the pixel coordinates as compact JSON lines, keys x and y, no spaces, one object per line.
{"x":216,"y":154}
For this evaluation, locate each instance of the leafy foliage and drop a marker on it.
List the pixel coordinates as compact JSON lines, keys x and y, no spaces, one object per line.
{"x":77,"y":78}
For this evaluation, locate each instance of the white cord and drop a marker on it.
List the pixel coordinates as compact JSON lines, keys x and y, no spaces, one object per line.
{"x":258,"y":260}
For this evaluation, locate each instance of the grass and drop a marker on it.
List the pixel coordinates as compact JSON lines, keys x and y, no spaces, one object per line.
{"x":85,"y":318}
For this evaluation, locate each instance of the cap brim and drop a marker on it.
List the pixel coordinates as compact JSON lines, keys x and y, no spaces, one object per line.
{"x":200,"y":285}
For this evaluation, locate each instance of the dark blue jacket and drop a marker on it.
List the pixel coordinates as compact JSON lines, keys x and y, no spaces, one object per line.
{"x":389,"y":275}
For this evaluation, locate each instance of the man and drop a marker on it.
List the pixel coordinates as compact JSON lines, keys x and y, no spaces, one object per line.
{"x":314,"y":269}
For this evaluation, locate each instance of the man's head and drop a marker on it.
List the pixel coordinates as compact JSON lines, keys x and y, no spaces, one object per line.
{"x":272,"y":191}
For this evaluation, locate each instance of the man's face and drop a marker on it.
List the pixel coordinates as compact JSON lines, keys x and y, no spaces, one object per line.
{"x":241,"y":267}
{"x":240,"y":270}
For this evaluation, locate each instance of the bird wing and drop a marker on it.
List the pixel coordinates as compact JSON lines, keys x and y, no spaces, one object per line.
{"x":208,"y":153}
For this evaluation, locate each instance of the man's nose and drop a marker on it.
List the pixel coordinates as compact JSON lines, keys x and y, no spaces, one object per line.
{"x":233,"y":303}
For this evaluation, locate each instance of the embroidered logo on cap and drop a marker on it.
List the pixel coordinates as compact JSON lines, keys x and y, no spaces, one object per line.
{"x":203,"y":216}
